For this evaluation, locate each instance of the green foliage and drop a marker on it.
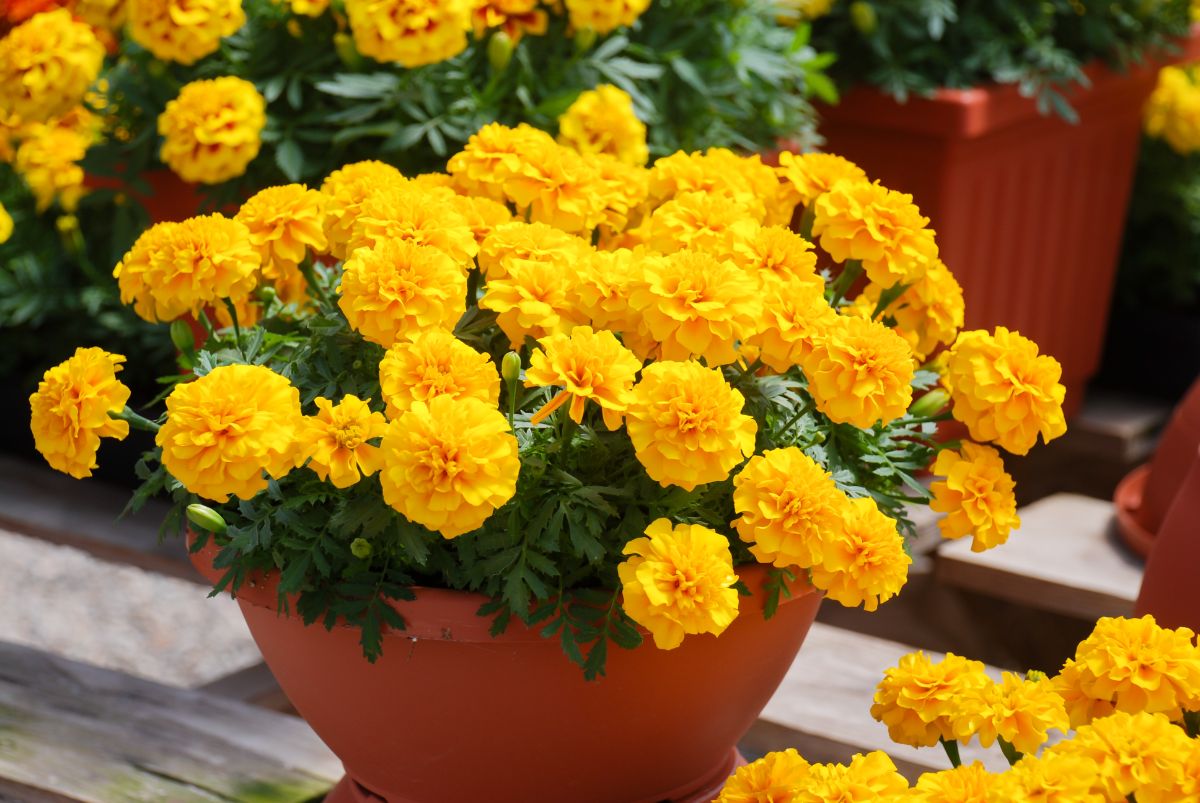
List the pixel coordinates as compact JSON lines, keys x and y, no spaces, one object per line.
{"x":1042,"y":46}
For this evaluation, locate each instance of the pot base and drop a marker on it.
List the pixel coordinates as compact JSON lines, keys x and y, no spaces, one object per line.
{"x":350,"y":791}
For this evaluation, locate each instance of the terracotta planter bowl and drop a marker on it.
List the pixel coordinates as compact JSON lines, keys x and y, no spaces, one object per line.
{"x":450,"y":714}
{"x":1169,"y":584}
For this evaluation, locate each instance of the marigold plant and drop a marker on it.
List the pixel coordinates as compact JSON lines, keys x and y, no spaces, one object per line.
{"x":477,"y":380}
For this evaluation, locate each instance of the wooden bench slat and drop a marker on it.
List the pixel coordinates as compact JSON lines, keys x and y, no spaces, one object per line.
{"x":76,"y":732}
{"x":1065,"y":558}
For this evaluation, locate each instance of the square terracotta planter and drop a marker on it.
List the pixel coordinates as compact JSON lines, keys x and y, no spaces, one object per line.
{"x":1029,"y":209}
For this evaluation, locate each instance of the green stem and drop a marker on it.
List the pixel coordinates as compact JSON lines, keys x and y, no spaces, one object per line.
{"x":136,"y":421}
{"x":806,"y":221}
{"x":473,"y":288}
{"x":1011,"y":753}
{"x":1191,"y":723}
{"x":951,"y":748}
{"x":237,"y":329}
{"x":310,"y":276}
{"x":512,"y":404}
{"x":748,"y":373}
{"x":850,"y":272}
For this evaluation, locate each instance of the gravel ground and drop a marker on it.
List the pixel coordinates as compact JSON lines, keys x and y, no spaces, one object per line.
{"x":65,"y":601}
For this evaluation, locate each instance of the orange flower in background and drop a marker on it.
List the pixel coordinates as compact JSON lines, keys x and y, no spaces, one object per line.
{"x":435,"y":363}
{"x":588,"y":366}
{"x":229,"y":430}
{"x":449,"y":464}
{"x":515,"y":17}
{"x":623,"y":188}
{"x":603,"y":16}
{"x":183,"y":31}
{"x":977,"y":496}
{"x":813,"y":174}
{"x":345,"y":189}
{"x":776,"y":254}
{"x":860,"y":372}
{"x":411,"y":33}
{"x":678,"y":581}
{"x":922,"y":701}
{"x":687,"y":425}
{"x":863,"y":562}
{"x":213,"y":129}
{"x":336,"y":441}
{"x":602,"y":120}
{"x":6,"y":225}
{"x":1003,"y":390}
{"x":48,"y":161}
{"x":47,"y":64}
{"x":72,"y":410}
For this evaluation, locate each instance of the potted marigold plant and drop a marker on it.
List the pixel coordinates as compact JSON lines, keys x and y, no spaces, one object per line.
{"x":997,"y":118}
{"x":461,"y":443}
{"x":1127,"y":705}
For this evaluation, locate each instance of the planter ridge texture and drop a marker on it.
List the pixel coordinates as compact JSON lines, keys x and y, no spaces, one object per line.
{"x":450,"y":714}
{"x":1028,"y":208}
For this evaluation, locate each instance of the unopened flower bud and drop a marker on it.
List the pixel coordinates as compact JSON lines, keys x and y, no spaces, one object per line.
{"x":206,"y":518}
{"x":929,"y":404}
{"x":500,"y":50}
{"x":584,"y":39}
{"x":510,"y":367}
{"x":343,"y":43}
{"x":360,"y":548}
{"x":862,"y":14}
{"x":183,"y":337}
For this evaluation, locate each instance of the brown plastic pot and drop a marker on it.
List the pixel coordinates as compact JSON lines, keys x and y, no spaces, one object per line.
{"x":451,"y":714}
{"x":1028,"y":209}
{"x":171,"y":199}
{"x":1169,"y":583}
{"x":1143,"y":497}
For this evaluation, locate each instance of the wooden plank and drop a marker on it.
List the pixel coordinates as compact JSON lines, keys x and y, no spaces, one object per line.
{"x":40,"y":502}
{"x":1117,"y":427}
{"x":69,"y":731}
{"x":1065,"y":558}
{"x":823,"y":706}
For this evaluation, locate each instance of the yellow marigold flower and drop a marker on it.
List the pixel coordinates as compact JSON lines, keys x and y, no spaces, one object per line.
{"x":435,"y":363}
{"x":864,"y":562}
{"x":48,"y":162}
{"x":1049,"y":778}
{"x":535,"y":298}
{"x":1185,"y":789}
{"x":535,"y":242}
{"x":795,"y":314}
{"x":870,"y":778}
{"x":493,"y":155}
{"x":603,"y":16}
{"x":789,"y":506}
{"x":970,"y":783}
{"x":212,"y":130}
{"x":397,"y":288}
{"x":927,"y":314}
{"x":602,"y":120}
{"x":558,"y":187}
{"x":921,"y":701}
{"x":176,"y":268}
{"x":405,"y":213}
{"x":977,"y":496}
{"x":11,"y":131}
{"x":604,"y":283}
{"x":108,"y":15}
{"x":229,"y":430}
{"x":70,"y":411}
{"x":6,"y":225}
{"x":1134,"y":665}
{"x":774,"y":778}
{"x":1140,"y":753}
{"x":1003,"y":390}
{"x":695,"y":220}
{"x":285,"y":223}
{"x":1082,"y":708}
{"x":1173,"y":111}
{"x":881,"y":228}
{"x":47,"y":64}
{"x":411,"y":33}
{"x":183,"y":31}
{"x":1021,"y":711}
{"x":678,"y":581}
{"x":813,"y":174}
{"x":777,"y":254}
{"x":622,"y":188}
{"x":687,"y":425}
{"x":860,"y":372}
{"x":717,"y":171}
{"x":344,"y":190}
{"x":335,"y":441}
{"x":483,"y":215}
{"x":449,"y":463}
{"x":586,"y":365}
{"x":793,"y":11}
{"x":698,"y":306}
{"x":308,"y":8}
{"x":515,"y":17}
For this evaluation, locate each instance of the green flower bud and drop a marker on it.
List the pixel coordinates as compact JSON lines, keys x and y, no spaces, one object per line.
{"x":183,"y":337}
{"x":510,"y":367}
{"x":343,"y":43}
{"x":585,"y":38}
{"x":206,"y":518}
{"x":862,"y":14}
{"x":500,"y":50}
{"x":360,"y":548}
{"x":929,"y":404}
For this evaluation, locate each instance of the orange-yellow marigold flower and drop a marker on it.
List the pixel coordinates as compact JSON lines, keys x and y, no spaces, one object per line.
{"x":1140,"y":753}
{"x":515,"y":17}
{"x":286,"y":223}
{"x":687,"y":425}
{"x":47,"y":64}
{"x":183,"y":31}
{"x":530,"y":241}
{"x":977,"y":496}
{"x":344,"y":190}
{"x":229,"y":430}
{"x":1003,"y":390}
{"x":1021,"y":711}
{"x":408,"y":213}
{"x":795,"y":314}
{"x":869,"y":778}
{"x":863,"y":562}
{"x":213,"y":129}
{"x":483,"y":215}
{"x":70,"y":411}
{"x":1049,"y":778}
{"x":411,"y":33}
{"x":559,"y":187}
{"x":812,"y":174}
{"x":535,"y":298}
{"x":602,"y":120}
{"x":970,"y":783}
{"x":777,"y":254}
{"x":603,"y":16}
{"x":435,"y":363}
{"x":397,"y":288}
{"x":48,"y":162}
{"x":789,"y":505}
{"x":775,"y":778}
{"x":587,"y":365}
{"x":1173,"y":111}
{"x":678,"y":581}
{"x":860,"y":372}
{"x":604,"y":282}
{"x":449,"y":464}
{"x":922,"y":701}
{"x":493,"y":155}
{"x":336,"y":441}
{"x":927,"y":314}
{"x":702,"y":221}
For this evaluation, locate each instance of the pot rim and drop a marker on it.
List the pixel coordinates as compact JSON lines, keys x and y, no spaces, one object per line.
{"x":1127,"y":501}
{"x":444,"y":614}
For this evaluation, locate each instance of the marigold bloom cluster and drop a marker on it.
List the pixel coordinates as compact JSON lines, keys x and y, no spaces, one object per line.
{"x":928,"y":314}
{"x":435,"y":363}
{"x":47,"y":64}
{"x":785,"y":777}
{"x":1172,"y":113}
{"x":603,"y":16}
{"x":212,"y":130}
{"x":48,"y":162}
{"x":922,"y":701}
{"x":813,"y":174}
{"x":183,"y":31}
{"x":344,"y":191}
{"x":864,"y":562}
{"x":411,"y":33}
{"x":588,"y":366}
{"x":72,"y":410}
{"x":977,"y":496}
{"x":602,"y":120}
{"x":860,"y":372}
{"x":286,"y":224}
